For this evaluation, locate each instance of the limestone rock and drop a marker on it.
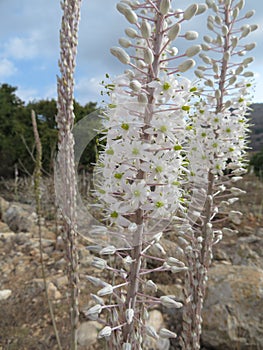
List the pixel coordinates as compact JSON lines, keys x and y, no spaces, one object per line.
{"x":53,"y":292}
{"x":5,"y":294}
{"x":233,"y":313}
{"x":19,"y":219}
{"x":87,"y":333}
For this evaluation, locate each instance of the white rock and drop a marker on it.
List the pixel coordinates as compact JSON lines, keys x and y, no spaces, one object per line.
{"x":5,"y":294}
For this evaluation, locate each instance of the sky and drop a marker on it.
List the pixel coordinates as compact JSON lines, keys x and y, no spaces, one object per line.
{"x":29,"y":46}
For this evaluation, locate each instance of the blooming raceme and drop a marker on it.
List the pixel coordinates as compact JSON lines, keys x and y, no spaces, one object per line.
{"x":146,"y":122}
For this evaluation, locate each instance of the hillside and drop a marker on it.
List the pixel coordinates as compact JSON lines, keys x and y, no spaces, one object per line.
{"x":257,"y":128}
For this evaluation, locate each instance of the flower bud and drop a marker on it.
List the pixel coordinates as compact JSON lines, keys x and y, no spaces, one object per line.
{"x":148,"y":56}
{"x":135,"y":85}
{"x":209,"y":83}
{"x":151,"y":286}
{"x":177,"y":269}
{"x":208,"y":39}
{"x":183,"y":67}
{"x":201,"y":9}
{"x":241,"y":4}
{"x":217,"y":94}
{"x":174,"y":32}
{"x":142,"y":98}
{"x":165,"y":333}
{"x":129,"y":314}
{"x":109,"y":250}
{"x":193,"y":50}
{"x":205,"y":58}
{"x":120,"y":54}
{"x":191,"y":35}
{"x":174,"y":262}
{"x":245,"y":31}
{"x":220,"y":40}
{"x":227,"y":56}
{"x":250,"y":14}
{"x":253,"y":27}
{"x":170,"y":303}
{"x":199,"y":74}
{"x":97,"y":299}
{"x":146,"y":29}
{"x":94,"y":310}
{"x":215,"y":68}
{"x":248,"y":74}
{"x":151,"y":332}
{"x":131,"y":33}
{"x":105,"y":332}
{"x":173,"y":51}
{"x":190,"y":12}
{"x":210,"y":25}
{"x":126,"y":346}
{"x":165,"y":7}
{"x":218,"y":20}
{"x":99,"y":263}
{"x":247,"y":61}
{"x":96,"y":281}
{"x":234,"y":41}
{"x":105,"y":291}
{"x":232,"y":80}
{"x":250,"y":47}
{"x":209,"y":3}
{"x":224,"y":30}
{"x":122,"y":7}
{"x":205,"y":47}
{"x":124,"y":43}
{"x":235,"y":12}
{"x":131,"y":16}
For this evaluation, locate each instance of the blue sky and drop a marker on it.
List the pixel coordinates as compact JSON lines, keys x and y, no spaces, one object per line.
{"x":29,"y":46}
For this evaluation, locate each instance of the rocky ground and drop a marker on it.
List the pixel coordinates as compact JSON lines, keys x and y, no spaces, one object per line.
{"x":233,"y":314}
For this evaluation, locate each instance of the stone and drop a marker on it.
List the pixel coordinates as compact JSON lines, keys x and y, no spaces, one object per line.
{"x":5,"y":294}
{"x":87,"y":333}
{"x":233,"y":310}
{"x":18,"y":219}
{"x":4,"y":205}
{"x":53,"y":292}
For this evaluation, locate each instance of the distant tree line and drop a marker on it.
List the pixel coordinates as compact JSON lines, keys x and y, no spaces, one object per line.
{"x":17,"y":145}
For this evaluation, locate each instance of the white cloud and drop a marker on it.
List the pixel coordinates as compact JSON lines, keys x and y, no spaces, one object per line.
{"x":7,"y":68}
{"x":22,"y":48}
{"x":88,"y":89}
{"x":27,"y":95}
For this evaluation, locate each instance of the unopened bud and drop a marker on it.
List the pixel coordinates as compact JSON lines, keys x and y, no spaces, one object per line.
{"x":250,"y":47}
{"x":232,"y":80}
{"x":199,"y":74}
{"x":124,"y":43}
{"x":131,"y":33}
{"x":122,"y":7}
{"x":99,"y":263}
{"x":225,"y":30}
{"x":193,"y":50}
{"x":239,"y":70}
{"x":165,"y":333}
{"x":109,"y":250}
{"x":241,"y":4}
{"x":150,"y":285}
{"x":185,"y":66}
{"x":129,"y":314}
{"x":174,"y":32}
{"x":253,"y":27}
{"x":131,"y":16}
{"x":227,"y":56}
{"x":250,"y":14}
{"x":247,"y":61}
{"x":135,"y":85}
{"x":146,"y":29}
{"x":248,"y":74}
{"x":245,"y":31}
{"x":208,"y":39}
{"x":120,"y":54}
{"x":105,"y":332}
{"x":142,"y":98}
{"x":170,"y":303}
{"x":165,"y":7}
{"x":235,"y":12}
{"x":105,"y":291}
{"x":151,"y":332}
{"x":148,"y":56}
{"x":191,"y":35}
{"x":205,"y":47}
{"x":201,"y":9}
{"x":190,"y":12}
